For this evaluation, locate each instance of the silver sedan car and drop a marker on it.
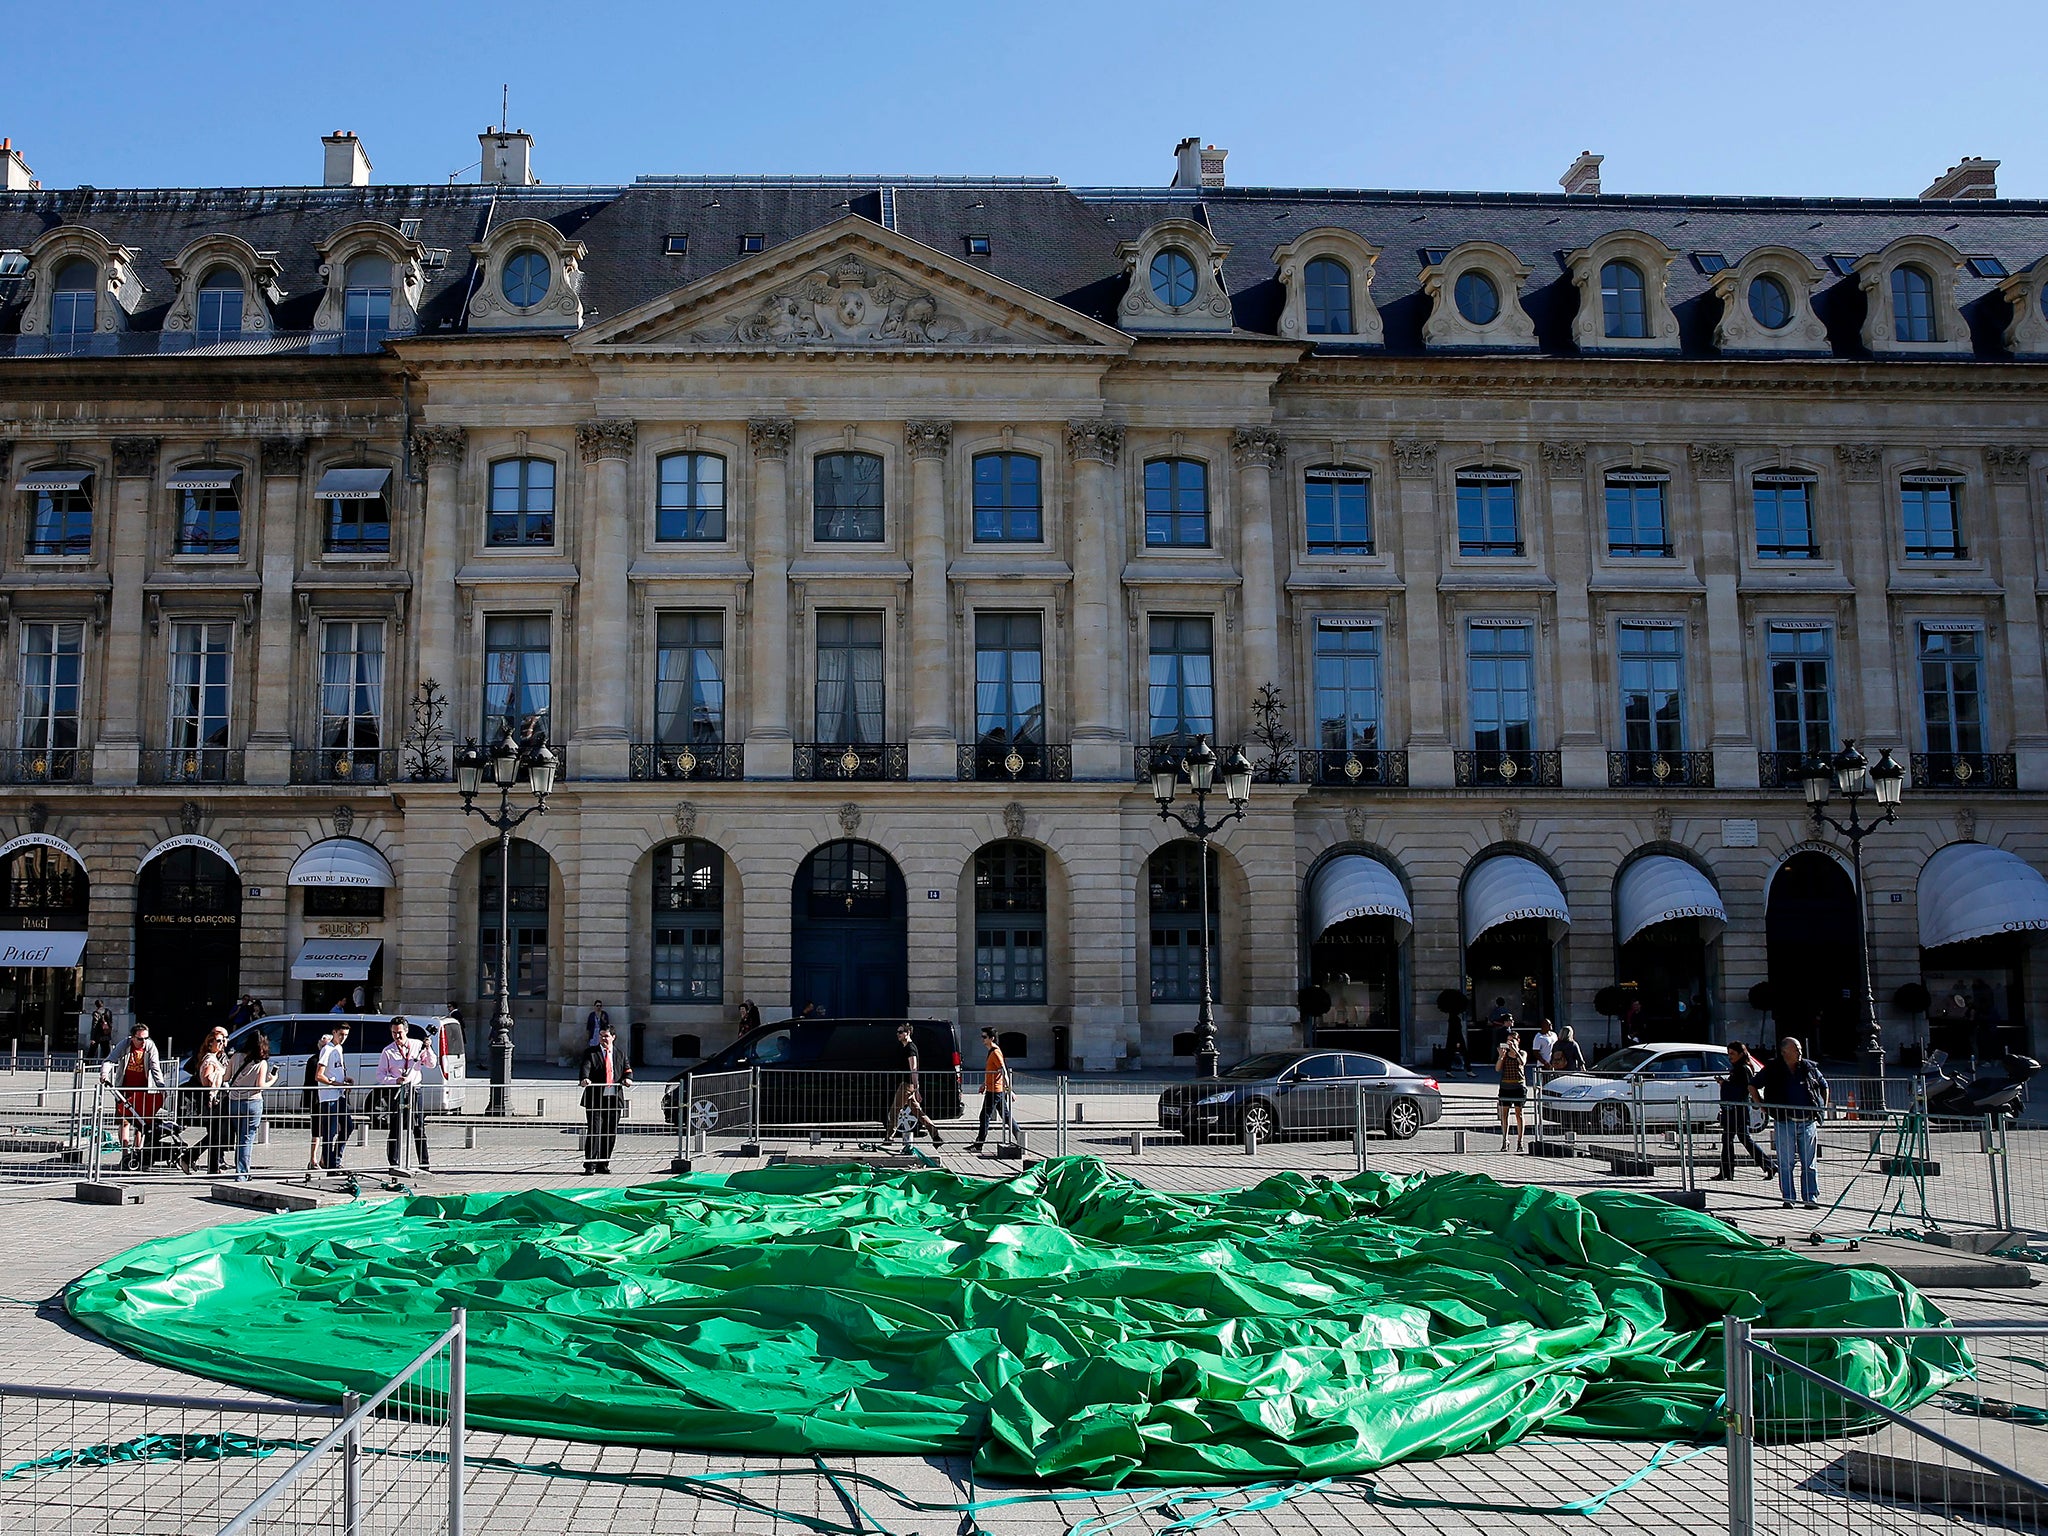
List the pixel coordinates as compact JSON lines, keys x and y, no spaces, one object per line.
{"x":1305,"y":1093}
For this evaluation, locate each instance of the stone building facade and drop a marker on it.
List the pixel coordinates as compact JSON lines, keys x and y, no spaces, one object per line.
{"x":857,"y":544}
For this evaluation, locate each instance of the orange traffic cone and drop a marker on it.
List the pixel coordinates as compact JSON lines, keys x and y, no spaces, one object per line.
{"x":1849,"y":1112}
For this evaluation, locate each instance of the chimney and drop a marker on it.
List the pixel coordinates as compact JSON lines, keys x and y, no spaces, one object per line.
{"x":1583,"y":179}
{"x":1968,"y":177}
{"x":1196,"y":168}
{"x":507,"y":157}
{"x":347,"y":164}
{"x":15,"y":176}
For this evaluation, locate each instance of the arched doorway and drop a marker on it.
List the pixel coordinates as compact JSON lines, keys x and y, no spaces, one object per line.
{"x":43,"y":906}
{"x":849,"y":935}
{"x":1810,"y":939}
{"x":1356,"y":924}
{"x":1668,"y":919}
{"x":1515,"y":918}
{"x":531,"y":897}
{"x":188,"y":938}
{"x":342,"y":884}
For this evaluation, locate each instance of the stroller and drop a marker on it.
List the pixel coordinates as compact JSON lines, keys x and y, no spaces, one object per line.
{"x":162,"y":1141}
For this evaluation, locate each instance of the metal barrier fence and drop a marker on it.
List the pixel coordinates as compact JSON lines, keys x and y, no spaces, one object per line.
{"x":103,"y":1463}
{"x":47,"y":1134}
{"x":1806,"y":1453}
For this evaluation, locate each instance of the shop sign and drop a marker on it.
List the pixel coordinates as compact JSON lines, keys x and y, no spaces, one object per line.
{"x":342,"y":930}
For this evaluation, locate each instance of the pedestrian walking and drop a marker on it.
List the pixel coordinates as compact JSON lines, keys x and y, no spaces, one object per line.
{"x":595,"y":1020}
{"x":1567,"y":1055}
{"x":1544,"y":1046}
{"x":137,"y":1076}
{"x":206,"y":1104}
{"x":1512,"y":1066}
{"x":398,"y":1080}
{"x":1501,"y":1021}
{"x":100,"y":1041}
{"x":1796,"y":1094}
{"x":605,"y":1077}
{"x":996,"y":1094}
{"x":907,"y":1094}
{"x":252,"y":1074}
{"x":331,"y":1116}
{"x":750,"y":1018}
{"x":1738,"y":1092}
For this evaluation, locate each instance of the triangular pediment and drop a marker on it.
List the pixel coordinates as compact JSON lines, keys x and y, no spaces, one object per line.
{"x":852,"y":286}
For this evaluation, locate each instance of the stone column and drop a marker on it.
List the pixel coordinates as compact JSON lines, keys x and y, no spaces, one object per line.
{"x":283,"y":461}
{"x":1096,"y":447}
{"x":1582,"y":752}
{"x":117,"y":754}
{"x":2011,"y":476}
{"x":1256,"y":450}
{"x":769,"y":751}
{"x":602,"y":746}
{"x":1431,"y":667}
{"x":1723,"y":726}
{"x":442,"y":450}
{"x":1868,"y":675}
{"x":932,"y":747}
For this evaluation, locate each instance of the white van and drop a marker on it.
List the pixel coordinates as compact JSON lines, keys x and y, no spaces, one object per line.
{"x":295,"y":1036}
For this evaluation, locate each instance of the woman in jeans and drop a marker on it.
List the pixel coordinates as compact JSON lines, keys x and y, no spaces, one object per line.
{"x":253,"y":1073}
{"x":206,"y":1105}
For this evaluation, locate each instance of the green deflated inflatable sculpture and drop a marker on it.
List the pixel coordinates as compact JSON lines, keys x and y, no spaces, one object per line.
{"x":1067,"y":1325}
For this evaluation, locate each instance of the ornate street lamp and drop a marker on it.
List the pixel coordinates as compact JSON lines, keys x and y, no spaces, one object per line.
{"x":1199,"y":766}
{"x":1855,"y":777}
{"x":504,"y":762}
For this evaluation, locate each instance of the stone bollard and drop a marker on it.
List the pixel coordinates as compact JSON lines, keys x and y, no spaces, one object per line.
{"x":1457,"y":1141}
{"x":1137,"y":1143}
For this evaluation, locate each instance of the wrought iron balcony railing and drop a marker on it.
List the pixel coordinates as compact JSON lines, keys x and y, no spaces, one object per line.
{"x":687,"y":761}
{"x":1965,"y":772}
{"x":851,"y":760}
{"x":1660,"y":770}
{"x":1021,"y":762}
{"x":1508,"y":770}
{"x":46,"y":765}
{"x":344,"y":765}
{"x":1781,"y":770}
{"x":191,"y":765}
{"x":1350,"y":768}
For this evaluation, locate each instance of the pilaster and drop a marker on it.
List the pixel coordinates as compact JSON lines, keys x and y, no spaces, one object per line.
{"x":117,"y":756}
{"x":1724,"y":723}
{"x":1873,"y":684}
{"x":441,"y":450}
{"x":602,"y":748}
{"x":2011,"y":476}
{"x":769,"y":747}
{"x":932,"y":747}
{"x":1096,"y":447}
{"x":1256,"y":450}
{"x":268,"y":759}
{"x":1582,"y":753}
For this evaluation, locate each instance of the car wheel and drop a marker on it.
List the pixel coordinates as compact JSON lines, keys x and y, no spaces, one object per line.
{"x":1404,"y":1119}
{"x":1258,"y":1121}
{"x":1611,"y":1119}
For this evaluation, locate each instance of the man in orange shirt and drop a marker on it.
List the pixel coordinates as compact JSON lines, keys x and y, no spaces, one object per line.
{"x":995,"y":1095}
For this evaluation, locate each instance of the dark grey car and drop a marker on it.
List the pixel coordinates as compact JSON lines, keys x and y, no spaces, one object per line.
{"x":1302,"y":1093}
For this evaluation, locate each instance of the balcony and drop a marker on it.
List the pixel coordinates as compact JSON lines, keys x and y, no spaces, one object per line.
{"x":1019,"y":762}
{"x":687,"y":761}
{"x":850,"y":760}
{"x":343,"y":765}
{"x":1507,"y":770}
{"x":41,"y":765}
{"x":1345,"y":768}
{"x":1660,"y":770}
{"x":190,"y":765}
{"x":1965,"y":772}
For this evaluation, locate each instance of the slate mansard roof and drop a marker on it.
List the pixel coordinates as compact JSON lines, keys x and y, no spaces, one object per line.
{"x":1060,"y":242}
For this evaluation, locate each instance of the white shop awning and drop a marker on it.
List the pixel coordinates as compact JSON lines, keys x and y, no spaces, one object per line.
{"x":1508,"y":888}
{"x":1973,"y":890}
{"x":342,"y":861}
{"x":47,"y":950}
{"x":1353,"y":885}
{"x":1663,"y":889}
{"x":203,"y":480}
{"x":53,"y":480}
{"x":335,"y":959}
{"x":352,"y":484}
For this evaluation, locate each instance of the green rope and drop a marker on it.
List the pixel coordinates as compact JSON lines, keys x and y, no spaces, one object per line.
{"x":148,"y":1448}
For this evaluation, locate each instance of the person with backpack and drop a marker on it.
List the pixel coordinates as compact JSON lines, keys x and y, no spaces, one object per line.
{"x":1796,"y":1094}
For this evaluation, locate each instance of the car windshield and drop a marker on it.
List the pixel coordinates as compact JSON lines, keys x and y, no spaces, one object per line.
{"x":1624,"y":1061}
{"x":1272,"y":1064}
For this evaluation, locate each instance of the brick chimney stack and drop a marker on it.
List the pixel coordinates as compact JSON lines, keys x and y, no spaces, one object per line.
{"x":1583,"y":179}
{"x":1968,"y":177}
{"x":348,"y":165}
{"x":15,"y":176}
{"x":1196,"y":168}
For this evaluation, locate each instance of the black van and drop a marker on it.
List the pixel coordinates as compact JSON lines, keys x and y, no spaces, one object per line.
{"x":836,"y":1071}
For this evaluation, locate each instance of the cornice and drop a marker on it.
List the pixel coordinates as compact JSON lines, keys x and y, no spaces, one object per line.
{"x":1595,"y":376}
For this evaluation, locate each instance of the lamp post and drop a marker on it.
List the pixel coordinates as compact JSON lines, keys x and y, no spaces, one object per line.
{"x":1200,"y":769}
{"x":504,"y":761}
{"x":1854,"y":776}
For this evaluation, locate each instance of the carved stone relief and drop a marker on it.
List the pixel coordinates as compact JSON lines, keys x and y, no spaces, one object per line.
{"x":849,"y":303}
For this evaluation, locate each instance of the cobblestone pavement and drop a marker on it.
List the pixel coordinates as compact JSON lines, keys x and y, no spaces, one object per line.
{"x":50,"y":1239}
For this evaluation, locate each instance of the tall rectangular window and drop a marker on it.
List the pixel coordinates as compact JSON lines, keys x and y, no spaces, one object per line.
{"x":518,"y":675}
{"x":52,"y":674}
{"x":358,"y":510}
{"x":209,"y":516}
{"x":201,"y":696}
{"x":689,"y":679}
{"x":847,"y":496}
{"x":849,"y":701}
{"x":1009,"y":923}
{"x":1009,"y":679}
{"x":692,"y":499}
{"x":1652,"y":668}
{"x":1007,"y":499}
{"x":522,"y":503}
{"x":60,"y":519}
{"x":1501,"y":683}
{"x":1338,"y":505}
{"x":1347,"y":687}
{"x":1784,"y":517}
{"x":1802,"y":691}
{"x":1177,"y":504}
{"x":351,"y":698}
{"x":1636,"y":519}
{"x":1952,"y":691}
{"x":1489,"y":517}
{"x":1182,"y":682}
{"x":689,"y":936}
{"x":528,"y":892}
{"x":1933,"y":529}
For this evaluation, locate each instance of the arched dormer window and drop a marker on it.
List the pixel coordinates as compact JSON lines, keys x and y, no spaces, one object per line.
{"x":374,"y":282}
{"x":1909,"y":297}
{"x":1327,"y":275}
{"x":1622,"y":314}
{"x":1622,"y":300}
{"x":1174,"y":279}
{"x":366,"y":304}
{"x":219,"y":317}
{"x":1474,"y":293}
{"x":225,"y":290}
{"x":1913,"y":304}
{"x":74,"y":305}
{"x":80,"y":285}
{"x":1329,"y":298}
{"x":529,"y":274}
{"x":1767,"y":303}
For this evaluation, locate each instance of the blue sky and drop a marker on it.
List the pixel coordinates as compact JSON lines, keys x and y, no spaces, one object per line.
{"x":1735,"y":97}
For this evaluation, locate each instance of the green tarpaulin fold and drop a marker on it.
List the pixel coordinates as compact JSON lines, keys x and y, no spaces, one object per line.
{"x":1066,"y":1325}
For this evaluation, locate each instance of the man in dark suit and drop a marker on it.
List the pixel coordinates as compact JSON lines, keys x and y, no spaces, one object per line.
{"x":605,"y":1076}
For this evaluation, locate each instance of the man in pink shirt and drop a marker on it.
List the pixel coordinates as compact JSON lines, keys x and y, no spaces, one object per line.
{"x":605,"y":1076}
